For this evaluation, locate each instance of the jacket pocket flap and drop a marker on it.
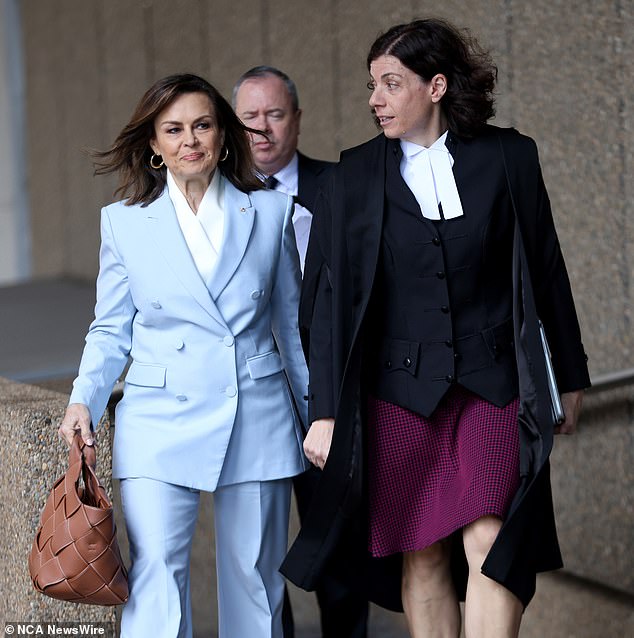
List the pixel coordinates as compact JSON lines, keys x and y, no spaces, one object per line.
{"x":398,"y":354}
{"x":146,"y":374}
{"x":499,"y":338}
{"x":264,"y":365}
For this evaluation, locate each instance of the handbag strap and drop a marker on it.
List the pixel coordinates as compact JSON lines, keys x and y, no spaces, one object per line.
{"x":82,"y":460}
{"x":79,"y":450}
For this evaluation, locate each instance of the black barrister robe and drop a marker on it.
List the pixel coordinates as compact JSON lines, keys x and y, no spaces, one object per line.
{"x":340,"y":273}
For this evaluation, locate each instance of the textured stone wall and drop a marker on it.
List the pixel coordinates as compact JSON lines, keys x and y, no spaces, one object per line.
{"x":593,"y":491}
{"x":565,"y":72}
{"x":32,"y":458}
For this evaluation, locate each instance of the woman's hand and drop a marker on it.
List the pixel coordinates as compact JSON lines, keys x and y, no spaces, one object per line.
{"x":571,"y":402}
{"x":77,"y":418}
{"x":318,"y":440}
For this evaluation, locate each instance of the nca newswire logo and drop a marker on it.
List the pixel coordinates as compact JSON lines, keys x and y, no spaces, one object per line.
{"x":59,"y":629}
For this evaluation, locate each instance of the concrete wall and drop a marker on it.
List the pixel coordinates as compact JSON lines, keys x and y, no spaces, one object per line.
{"x":565,"y":78}
{"x":15,"y":259}
{"x":33,"y":457}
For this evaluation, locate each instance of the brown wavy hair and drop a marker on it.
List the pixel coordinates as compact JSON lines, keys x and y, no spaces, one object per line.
{"x":433,"y":46}
{"x":130,"y":153}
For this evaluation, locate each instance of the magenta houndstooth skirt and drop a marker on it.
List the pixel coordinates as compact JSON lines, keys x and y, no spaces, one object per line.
{"x":429,"y":477}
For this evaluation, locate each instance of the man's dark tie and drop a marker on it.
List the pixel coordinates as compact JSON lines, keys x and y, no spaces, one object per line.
{"x":271,"y":182}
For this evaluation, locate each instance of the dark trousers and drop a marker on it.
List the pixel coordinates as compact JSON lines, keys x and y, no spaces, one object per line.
{"x":343,"y":610}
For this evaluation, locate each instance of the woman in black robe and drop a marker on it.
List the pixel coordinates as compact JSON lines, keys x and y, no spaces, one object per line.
{"x":433,"y":257}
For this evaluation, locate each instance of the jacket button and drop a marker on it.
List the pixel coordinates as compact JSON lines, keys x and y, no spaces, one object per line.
{"x":181,"y":397}
{"x":388,"y":364}
{"x":449,"y":378}
{"x":228,"y":341}
{"x":407,"y":362}
{"x":440,"y":274}
{"x":449,"y":343}
{"x":179,"y":344}
{"x":256,"y":294}
{"x":444,"y":309}
{"x":231,"y":391}
{"x":435,"y":241}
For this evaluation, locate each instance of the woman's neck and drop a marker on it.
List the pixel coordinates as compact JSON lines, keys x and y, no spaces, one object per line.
{"x":436,"y":126}
{"x":194,"y":190}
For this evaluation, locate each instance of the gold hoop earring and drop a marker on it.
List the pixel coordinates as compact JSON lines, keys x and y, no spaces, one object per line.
{"x":152,"y":162}
{"x":222,"y":159}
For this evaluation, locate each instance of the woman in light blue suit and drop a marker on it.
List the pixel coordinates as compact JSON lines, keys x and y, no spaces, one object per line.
{"x":198,"y":287}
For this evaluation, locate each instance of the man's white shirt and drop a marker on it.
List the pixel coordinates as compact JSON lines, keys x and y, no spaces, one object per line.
{"x":288,"y":183}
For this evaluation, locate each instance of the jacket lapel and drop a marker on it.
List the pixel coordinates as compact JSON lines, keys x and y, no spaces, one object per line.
{"x":239,"y":219}
{"x":165,"y":230}
{"x":364,"y":206}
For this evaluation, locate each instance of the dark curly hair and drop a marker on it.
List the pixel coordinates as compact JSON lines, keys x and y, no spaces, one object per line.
{"x":433,"y":46}
{"x":130,"y":153}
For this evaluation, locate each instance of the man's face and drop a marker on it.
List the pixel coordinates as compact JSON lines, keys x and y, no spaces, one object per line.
{"x":265,"y":104}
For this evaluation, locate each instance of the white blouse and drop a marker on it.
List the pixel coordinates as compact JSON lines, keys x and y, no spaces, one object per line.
{"x":288,"y":183}
{"x":203,"y":231}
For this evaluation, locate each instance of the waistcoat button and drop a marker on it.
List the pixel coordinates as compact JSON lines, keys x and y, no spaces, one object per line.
{"x":444,"y":309}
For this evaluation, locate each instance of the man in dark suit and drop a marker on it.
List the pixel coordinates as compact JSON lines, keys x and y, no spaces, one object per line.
{"x":265,"y":98}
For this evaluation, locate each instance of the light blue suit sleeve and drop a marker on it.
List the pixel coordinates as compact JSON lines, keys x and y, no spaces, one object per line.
{"x":284,"y":313}
{"x":109,"y":337}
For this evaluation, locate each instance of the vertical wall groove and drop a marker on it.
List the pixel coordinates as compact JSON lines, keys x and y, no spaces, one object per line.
{"x":508,"y":30}
{"x":64,"y":181}
{"x":148,"y":42}
{"x":624,"y":85}
{"x":335,"y":66}
{"x":266,"y":32}
{"x":102,"y":87}
{"x":204,"y":35}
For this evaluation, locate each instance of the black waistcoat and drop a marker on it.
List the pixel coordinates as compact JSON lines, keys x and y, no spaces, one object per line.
{"x":441,"y":310}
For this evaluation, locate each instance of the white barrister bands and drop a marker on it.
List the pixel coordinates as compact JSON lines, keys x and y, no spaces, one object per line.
{"x":429,"y":175}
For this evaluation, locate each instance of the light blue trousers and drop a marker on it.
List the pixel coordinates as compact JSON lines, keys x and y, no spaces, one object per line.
{"x":251,"y":525}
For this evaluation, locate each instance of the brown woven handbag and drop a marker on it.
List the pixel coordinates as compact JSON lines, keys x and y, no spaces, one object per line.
{"x":75,"y":554}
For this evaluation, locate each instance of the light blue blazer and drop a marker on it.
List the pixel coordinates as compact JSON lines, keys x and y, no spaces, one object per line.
{"x":206,"y":398}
